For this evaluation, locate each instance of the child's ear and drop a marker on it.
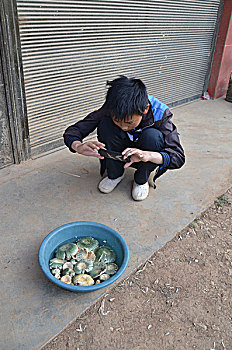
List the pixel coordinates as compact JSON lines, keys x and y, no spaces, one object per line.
{"x":147,"y":109}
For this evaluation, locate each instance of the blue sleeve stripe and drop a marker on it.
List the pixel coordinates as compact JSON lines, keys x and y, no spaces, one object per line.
{"x":166,"y":159}
{"x":70,"y":140}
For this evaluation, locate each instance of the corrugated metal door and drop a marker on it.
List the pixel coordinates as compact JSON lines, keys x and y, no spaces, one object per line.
{"x":70,"y":49}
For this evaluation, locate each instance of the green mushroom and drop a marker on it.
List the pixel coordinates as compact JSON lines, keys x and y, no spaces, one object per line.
{"x":111,"y":268}
{"x":83,"y":280}
{"x":56,"y":273}
{"x":60,"y":254}
{"x":69,"y":249}
{"x":56,"y":266}
{"x":104,"y":277}
{"x":105,"y":254}
{"x":89,"y":243}
{"x":68,"y":272}
{"x":83,"y":266}
{"x":81,"y":254}
{"x":98,"y":269}
{"x":56,"y":263}
{"x":68,"y":264}
{"x":66,"y":279}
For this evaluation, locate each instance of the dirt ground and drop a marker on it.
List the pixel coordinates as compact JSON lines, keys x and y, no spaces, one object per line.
{"x":179,"y":299}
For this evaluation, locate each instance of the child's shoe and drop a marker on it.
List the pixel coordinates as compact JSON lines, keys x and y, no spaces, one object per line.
{"x":108,"y":185}
{"x":140,"y":192}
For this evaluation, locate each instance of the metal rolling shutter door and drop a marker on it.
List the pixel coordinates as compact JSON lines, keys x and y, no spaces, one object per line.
{"x":70,"y":49}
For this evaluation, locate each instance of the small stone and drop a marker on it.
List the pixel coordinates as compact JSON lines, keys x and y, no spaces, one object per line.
{"x":202,"y":326}
{"x":111,"y":328}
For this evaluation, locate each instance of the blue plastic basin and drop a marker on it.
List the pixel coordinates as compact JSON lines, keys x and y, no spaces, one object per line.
{"x":70,"y":233}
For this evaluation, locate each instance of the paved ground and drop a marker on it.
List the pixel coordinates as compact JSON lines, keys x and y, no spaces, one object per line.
{"x":40,"y":195}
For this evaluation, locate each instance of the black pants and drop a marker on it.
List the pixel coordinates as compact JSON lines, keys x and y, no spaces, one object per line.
{"x":116,"y":139}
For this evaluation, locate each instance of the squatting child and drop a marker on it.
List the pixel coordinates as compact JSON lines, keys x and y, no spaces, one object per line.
{"x":135,"y":124}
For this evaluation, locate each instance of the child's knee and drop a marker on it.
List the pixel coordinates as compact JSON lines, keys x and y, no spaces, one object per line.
{"x":151,"y":140}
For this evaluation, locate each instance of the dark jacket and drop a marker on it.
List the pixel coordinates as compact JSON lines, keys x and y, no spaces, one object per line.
{"x":158,"y":117}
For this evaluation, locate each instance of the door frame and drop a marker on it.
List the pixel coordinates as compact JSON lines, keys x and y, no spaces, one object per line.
{"x":13,"y":79}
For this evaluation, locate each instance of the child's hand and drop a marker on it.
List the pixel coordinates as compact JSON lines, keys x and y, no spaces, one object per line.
{"x":137,"y":155}
{"x":88,"y":148}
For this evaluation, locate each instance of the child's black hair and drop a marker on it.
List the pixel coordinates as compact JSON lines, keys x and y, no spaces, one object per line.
{"x":125,"y":97}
